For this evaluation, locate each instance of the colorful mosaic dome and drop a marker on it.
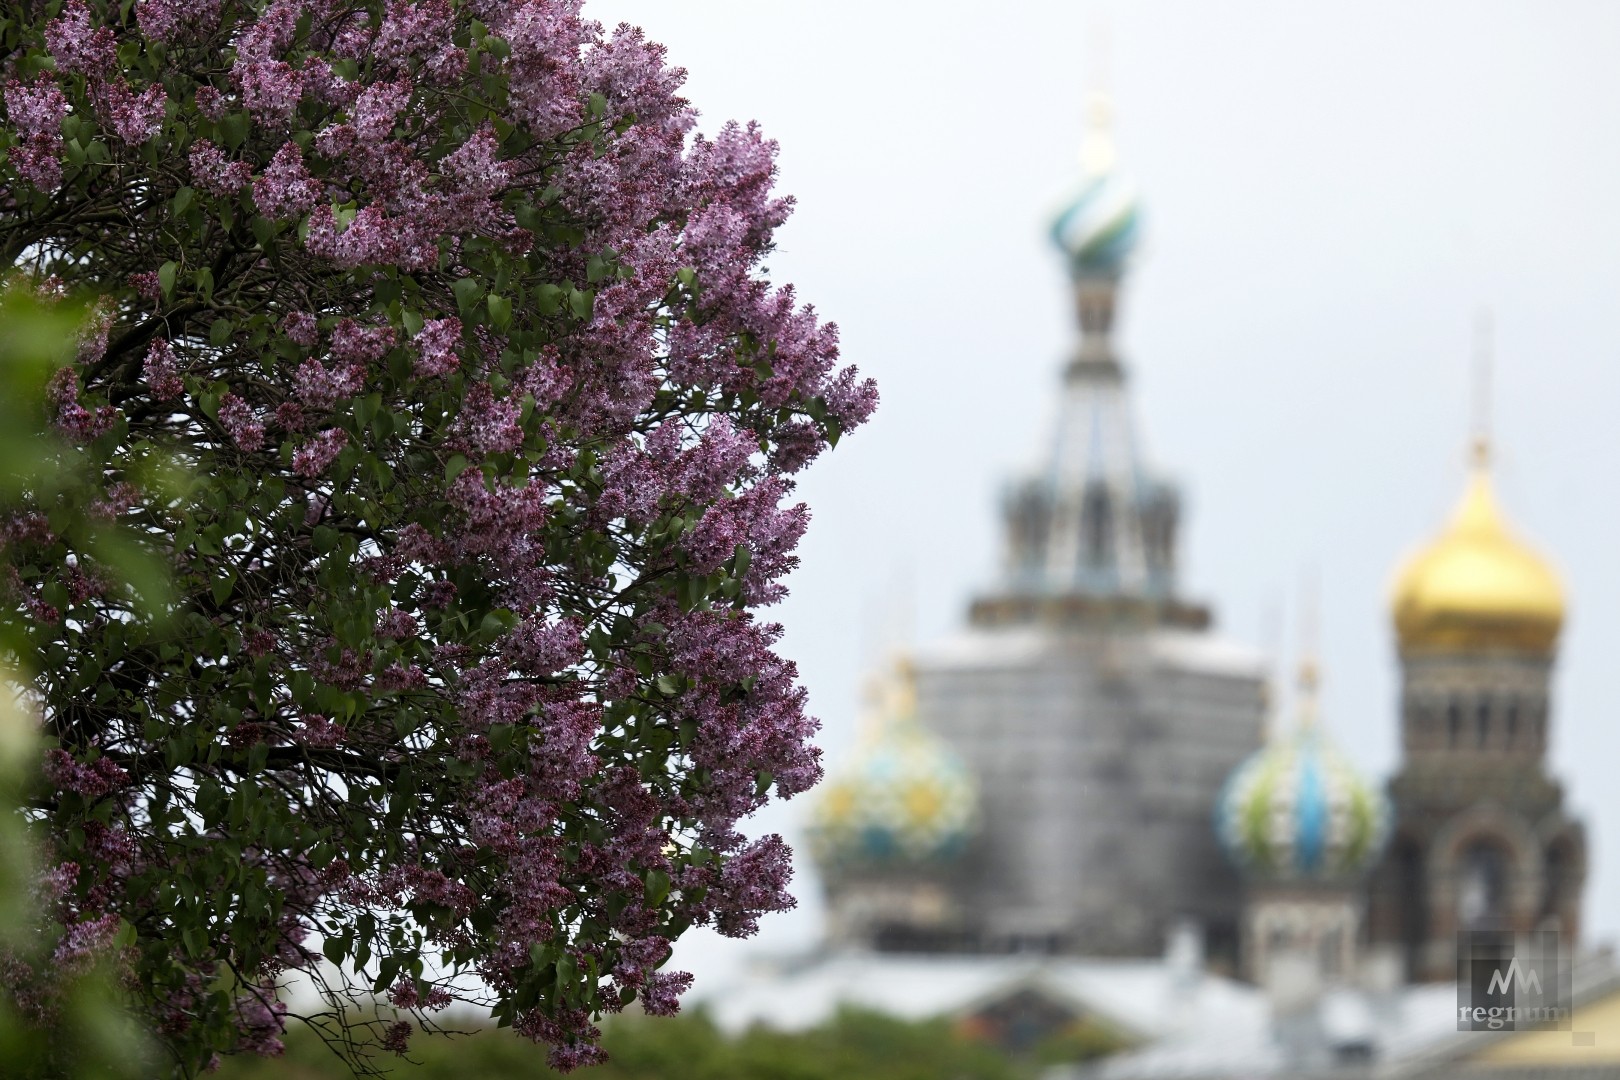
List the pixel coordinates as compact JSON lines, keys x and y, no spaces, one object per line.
{"x":902,"y":797}
{"x":1299,"y":810}
{"x":1097,"y":229}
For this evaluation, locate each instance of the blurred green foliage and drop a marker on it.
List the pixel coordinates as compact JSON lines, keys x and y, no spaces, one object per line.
{"x":85,"y":1034}
{"x":854,"y":1045}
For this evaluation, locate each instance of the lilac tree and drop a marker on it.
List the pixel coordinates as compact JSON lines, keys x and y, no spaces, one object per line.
{"x":433,"y":360}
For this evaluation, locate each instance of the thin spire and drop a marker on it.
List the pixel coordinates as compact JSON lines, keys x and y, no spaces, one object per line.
{"x":1097,"y":153}
{"x":1479,"y":455}
{"x":889,"y":695}
{"x":1272,"y":636}
{"x":1310,"y":672}
{"x":903,"y":690}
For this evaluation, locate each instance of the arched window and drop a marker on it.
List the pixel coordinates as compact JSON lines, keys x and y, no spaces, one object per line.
{"x":1482,"y":721}
{"x":1420,"y":719}
{"x":1028,"y":522}
{"x":1331,"y":947}
{"x":1560,"y":871}
{"x":1097,"y":525}
{"x":1482,"y":885}
{"x":1411,"y":881}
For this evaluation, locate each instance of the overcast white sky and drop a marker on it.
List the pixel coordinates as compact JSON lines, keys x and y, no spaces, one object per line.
{"x":1333,"y":191}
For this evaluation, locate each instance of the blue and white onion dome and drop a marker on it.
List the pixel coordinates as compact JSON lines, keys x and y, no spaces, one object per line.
{"x":1298,"y":810}
{"x":902,"y":798}
{"x":1097,"y":229}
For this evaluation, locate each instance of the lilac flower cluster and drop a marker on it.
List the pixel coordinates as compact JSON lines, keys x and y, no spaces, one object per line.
{"x":236,"y":416}
{"x":162,"y":378}
{"x":286,"y":189}
{"x":36,"y":111}
{"x":313,"y":458}
{"x":72,"y":418}
{"x":177,"y":20}
{"x":216,"y":174}
{"x":133,"y":117}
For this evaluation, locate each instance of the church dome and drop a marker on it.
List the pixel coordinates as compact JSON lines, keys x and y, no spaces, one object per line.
{"x":1298,"y":810}
{"x":903,"y":797}
{"x":1097,"y":227}
{"x":1478,"y":585}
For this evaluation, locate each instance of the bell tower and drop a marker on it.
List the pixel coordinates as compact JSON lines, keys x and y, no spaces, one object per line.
{"x":1481,"y":838}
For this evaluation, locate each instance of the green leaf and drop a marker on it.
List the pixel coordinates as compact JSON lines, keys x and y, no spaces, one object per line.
{"x":466,"y":291}
{"x":454,"y":467}
{"x":500,"y":311}
{"x":166,"y":274}
{"x":219,"y":332}
{"x":182,"y":199}
{"x":500,"y":737}
{"x":580,"y":302}
{"x":366,"y":408}
{"x":234,"y":129}
{"x":387,"y":972}
{"x":222,"y":586}
{"x":657,"y":887}
{"x":566,"y":970}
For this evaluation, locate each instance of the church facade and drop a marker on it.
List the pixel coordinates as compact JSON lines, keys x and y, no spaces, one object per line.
{"x":1046,"y":781}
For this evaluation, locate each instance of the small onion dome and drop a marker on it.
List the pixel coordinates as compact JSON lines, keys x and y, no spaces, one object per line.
{"x":903,"y":797}
{"x":1097,"y":228}
{"x":1299,"y":811}
{"x":1478,"y":585}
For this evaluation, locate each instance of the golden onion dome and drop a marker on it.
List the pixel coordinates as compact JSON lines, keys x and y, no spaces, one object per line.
{"x":1478,"y":585}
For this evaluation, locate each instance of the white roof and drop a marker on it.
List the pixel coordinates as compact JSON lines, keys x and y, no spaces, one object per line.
{"x":1194,"y":650}
{"x":1147,"y":999}
{"x":1191,"y":1025}
{"x":1200,"y":650}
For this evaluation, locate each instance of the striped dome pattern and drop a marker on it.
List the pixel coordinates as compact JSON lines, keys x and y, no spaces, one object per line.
{"x":903,"y":797}
{"x":1098,"y":228}
{"x":1298,"y":810}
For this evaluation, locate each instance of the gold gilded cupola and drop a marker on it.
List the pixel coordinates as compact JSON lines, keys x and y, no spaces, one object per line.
{"x":1478,"y":585}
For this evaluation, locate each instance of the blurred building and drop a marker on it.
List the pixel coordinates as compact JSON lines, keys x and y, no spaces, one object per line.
{"x":1071,"y":817}
{"x":1481,"y":838}
{"x":1095,"y":709}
